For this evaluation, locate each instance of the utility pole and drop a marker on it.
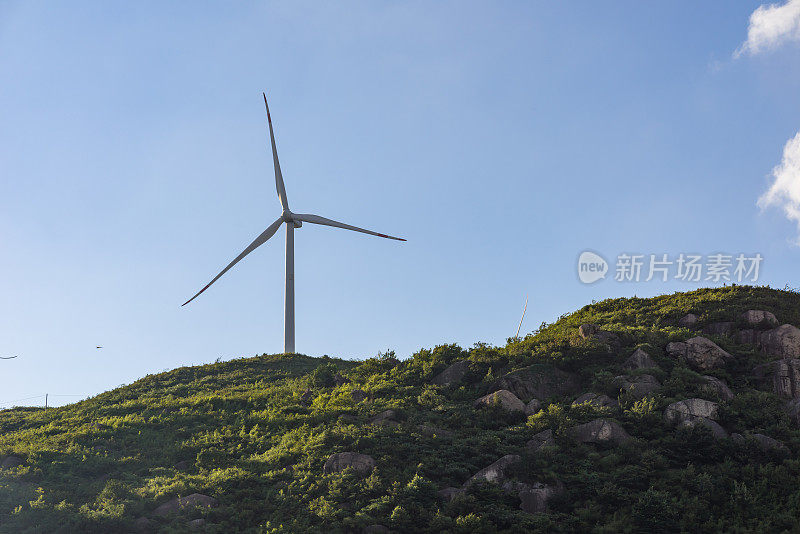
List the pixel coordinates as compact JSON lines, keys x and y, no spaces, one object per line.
{"x":45,"y":400}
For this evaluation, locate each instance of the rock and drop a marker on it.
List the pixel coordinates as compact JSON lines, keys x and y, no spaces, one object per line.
{"x":143,"y":525}
{"x":376,"y":529}
{"x":640,"y":360}
{"x":533,"y":406}
{"x":719,"y":329}
{"x":307,"y":397}
{"x":793,"y":409}
{"x":183,"y":465}
{"x":716,"y":430}
{"x":759,"y":318}
{"x":359,"y":395}
{"x":540,"y":381}
{"x":179,"y":503}
{"x":541,"y":439}
{"x":638,"y":386}
{"x":385,"y":418}
{"x":782,"y":376}
{"x":360,"y":463}
{"x":687,"y":321}
{"x":700,"y":353}
{"x":495,"y":472}
{"x":196,"y":524}
{"x":452,"y":375}
{"x":748,"y":337}
{"x":592,"y":331}
{"x":738,"y":439}
{"x":690,"y":409}
{"x":504,"y":399}
{"x":339,"y":380}
{"x":448,"y":494}
{"x":602,"y":431}
{"x":783,"y":341}
{"x":11,"y":461}
{"x":596,"y":400}
{"x":767,"y":443}
{"x":719,"y":387}
{"x":535,"y":499}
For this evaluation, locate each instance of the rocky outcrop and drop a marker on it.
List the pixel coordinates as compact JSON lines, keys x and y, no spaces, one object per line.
{"x":504,"y":399}
{"x":688,"y":321}
{"x":639,"y":360}
{"x":783,"y":342}
{"x":453,"y":374}
{"x":450,"y":493}
{"x":195,"y":500}
{"x":594,"y":332}
{"x":793,"y":409}
{"x":724,"y":328}
{"x":748,"y":337}
{"x":360,"y":463}
{"x":782,"y":376}
{"x":718,"y":387}
{"x":691,"y":409}
{"x":385,"y":418}
{"x":765,"y":443}
{"x":11,"y":461}
{"x":638,"y":386}
{"x":716,"y":430}
{"x":699,"y":353}
{"x":494,"y":473}
{"x":542,"y":439}
{"x":759,"y":318}
{"x":602,"y":431}
{"x":596,"y":400}
{"x":539,"y":381}
{"x":533,"y":406}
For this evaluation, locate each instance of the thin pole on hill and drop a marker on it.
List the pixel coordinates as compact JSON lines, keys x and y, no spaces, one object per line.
{"x":523,"y":315}
{"x":45,"y":400}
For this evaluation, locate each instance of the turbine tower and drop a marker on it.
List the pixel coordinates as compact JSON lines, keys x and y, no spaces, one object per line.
{"x":292,"y":221}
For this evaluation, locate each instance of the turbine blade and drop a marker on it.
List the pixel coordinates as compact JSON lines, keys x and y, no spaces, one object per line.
{"x":278,"y":176}
{"x":260,"y":240}
{"x":316,"y":219}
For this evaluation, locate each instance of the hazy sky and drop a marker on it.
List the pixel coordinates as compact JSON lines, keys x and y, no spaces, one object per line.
{"x":501,"y":140}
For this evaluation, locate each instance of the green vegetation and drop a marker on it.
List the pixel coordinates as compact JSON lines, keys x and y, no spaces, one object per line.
{"x":255,"y":433}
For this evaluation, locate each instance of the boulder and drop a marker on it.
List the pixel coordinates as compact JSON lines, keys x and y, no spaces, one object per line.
{"x":594,"y":332}
{"x":539,"y":381}
{"x":452,"y":375}
{"x":11,"y":461}
{"x":783,"y":342}
{"x":638,"y":386}
{"x":759,"y":318}
{"x":450,"y":493}
{"x":495,"y":473}
{"x":195,"y":500}
{"x":716,"y":430}
{"x":385,"y":418}
{"x":782,"y":376}
{"x":534,"y":499}
{"x":602,"y":431}
{"x":718,"y":386}
{"x":196,"y":524}
{"x":596,"y":400}
{"x":533,"y":406}
{"x":359,"y":395}
{"x":541,"y":439}
{"x":360,"y":463}
{"x":688,"y":321}
{"x":765,"y":443}
{"x":504,"y":399}
{"x":639,"y":360}
{"x":724,"y":328}
{"x":690,"y":409}
{"x":748,"y":337}
{"x":700,"y":353}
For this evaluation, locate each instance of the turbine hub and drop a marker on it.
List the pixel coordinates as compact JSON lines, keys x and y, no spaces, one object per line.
{"x":287,"y":216}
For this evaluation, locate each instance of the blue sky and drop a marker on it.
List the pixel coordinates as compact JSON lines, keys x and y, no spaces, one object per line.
{"x":501,"y":140}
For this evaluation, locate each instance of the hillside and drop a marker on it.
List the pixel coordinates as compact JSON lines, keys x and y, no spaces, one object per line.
{"x":692,"y":425}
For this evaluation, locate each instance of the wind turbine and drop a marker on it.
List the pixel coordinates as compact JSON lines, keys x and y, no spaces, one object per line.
{"x":292,"y":221}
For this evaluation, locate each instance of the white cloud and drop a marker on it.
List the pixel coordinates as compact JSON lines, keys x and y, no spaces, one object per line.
{"x":785,"y":190}
{"x":771,"y":26}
